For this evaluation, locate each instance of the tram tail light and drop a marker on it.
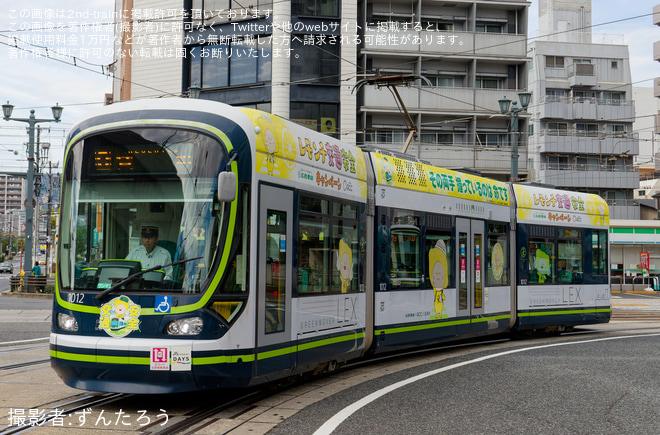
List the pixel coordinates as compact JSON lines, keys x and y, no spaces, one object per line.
{"x":67,"y":322}
{"x":189,"y":326}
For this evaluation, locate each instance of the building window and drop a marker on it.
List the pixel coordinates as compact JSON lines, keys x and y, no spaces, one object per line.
{"x":435,"y":26}
{"x":386,"y":136}
{"x":490,"y":83}
{"x":554,"y":95}
{"x":557,"y":128}
{"x":612,"y":98}
{"x":582,"y":96}
{"x":440,"y":81}
{"x":321,"y":117}
{"x":488,"y":27}
{"x":615,"y":64}
{"x":586,"y":130}
{"x":615,"y":130}
{"x":491,"y":139}
{"x":318,"y":63}
{"x":554,"y":61}
{"x":315,"y":8}
{"x":221,"y":65}
{"x":615,"y":197}
{"x":558,"y":162}
{"x":437,"y":138}
{"x":581,"y":61}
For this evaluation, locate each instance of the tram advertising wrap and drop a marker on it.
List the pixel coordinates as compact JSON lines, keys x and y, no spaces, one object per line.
{"x":562,"y":255}
{"x":204,"y":246}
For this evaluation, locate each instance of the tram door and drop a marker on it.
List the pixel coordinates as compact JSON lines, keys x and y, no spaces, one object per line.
{"x":470,"y":277}
{"x":274,"y":279}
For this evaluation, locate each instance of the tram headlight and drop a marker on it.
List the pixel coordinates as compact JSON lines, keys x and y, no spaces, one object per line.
{"x":67,"y":322}
{"x":189,"y":326}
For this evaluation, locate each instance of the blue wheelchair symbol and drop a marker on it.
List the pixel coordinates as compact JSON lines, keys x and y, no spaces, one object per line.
{"x":163,"y":304}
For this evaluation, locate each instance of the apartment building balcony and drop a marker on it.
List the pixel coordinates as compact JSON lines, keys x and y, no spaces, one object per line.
{"x":627,"y":209}
{"x":586,"y":108}
{"x":436,"y":99}
{"x":468,"y":44}
{"x":577,"y":176}
{"x":577,"y":142}
{"x":582,"y":74}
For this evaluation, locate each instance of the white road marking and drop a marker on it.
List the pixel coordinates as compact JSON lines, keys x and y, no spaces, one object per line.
{"x":330,"y":425}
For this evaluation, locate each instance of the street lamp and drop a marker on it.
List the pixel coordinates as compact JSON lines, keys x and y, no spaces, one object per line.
{"x":512,"y":111}
{"x":194,"y":91}
{"x":7,"y":109}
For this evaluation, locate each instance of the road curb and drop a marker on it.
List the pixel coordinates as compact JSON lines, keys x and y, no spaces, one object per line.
{"x":27,"y":295}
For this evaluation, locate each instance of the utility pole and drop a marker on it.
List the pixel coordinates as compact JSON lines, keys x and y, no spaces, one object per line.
{"x":29,"y":202}
{"x":50,"y":212}
{"x":512,"y":111}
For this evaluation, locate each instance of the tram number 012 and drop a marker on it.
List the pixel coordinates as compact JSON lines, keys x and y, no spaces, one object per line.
{"x":75,"y":298}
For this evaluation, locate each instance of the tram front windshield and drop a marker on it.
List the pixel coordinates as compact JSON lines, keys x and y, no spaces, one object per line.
{"x":125,"y":189}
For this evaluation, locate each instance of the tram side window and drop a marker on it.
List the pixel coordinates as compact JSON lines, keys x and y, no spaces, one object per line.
{"x":542,"y":261}
{"x":569,"y":256}
{"x":313,"y":246}
{"x":345,"y":248}
{"x":405,"y":244}
{"x":599,"y":252}
{"x":328,"y":240}
{"x":498,"y":257}
{"x":439,"y":259}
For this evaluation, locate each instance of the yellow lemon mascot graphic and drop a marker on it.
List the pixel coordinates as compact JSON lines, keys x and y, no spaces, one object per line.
{"x":438,"y":277}
{"x":345,"y":264}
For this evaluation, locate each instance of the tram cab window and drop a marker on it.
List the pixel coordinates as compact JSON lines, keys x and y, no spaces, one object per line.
{"x":405,"y":244}
{"x":542,"y":261}
{"x":119,"y":181}
{"x":498,"y":257}
{"x":569,"y":256}
{"x":328,"y":240}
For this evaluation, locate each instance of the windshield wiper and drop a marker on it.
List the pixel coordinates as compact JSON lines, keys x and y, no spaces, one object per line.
{"x":137,"y":274}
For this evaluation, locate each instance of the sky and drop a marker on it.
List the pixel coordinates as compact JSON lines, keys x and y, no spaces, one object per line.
{"x":37,"y":82}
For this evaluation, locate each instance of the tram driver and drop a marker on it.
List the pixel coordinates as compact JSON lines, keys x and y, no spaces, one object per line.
{"x":149,"y":254}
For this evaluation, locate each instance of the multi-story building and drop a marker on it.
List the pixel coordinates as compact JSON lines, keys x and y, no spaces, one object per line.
{"x":283,"y":57}
{"x":301,"y":59}
{"x":472,"y":54}
{"x":13,"y":191}
{"x":581,"y":134}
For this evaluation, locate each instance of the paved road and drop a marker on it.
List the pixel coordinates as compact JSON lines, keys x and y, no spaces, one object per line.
{"x":606,"y":384}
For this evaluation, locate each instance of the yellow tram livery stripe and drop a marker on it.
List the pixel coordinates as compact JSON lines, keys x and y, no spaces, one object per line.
{"x":440,"y":324}
{"x":405,"y":174}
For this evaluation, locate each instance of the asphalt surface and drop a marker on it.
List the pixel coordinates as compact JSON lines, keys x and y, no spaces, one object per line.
{"x":573,"y":384}
{"x":604,"y":387}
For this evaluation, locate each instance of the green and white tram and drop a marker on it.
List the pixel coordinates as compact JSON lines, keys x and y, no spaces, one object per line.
{"x":279,"y":251}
